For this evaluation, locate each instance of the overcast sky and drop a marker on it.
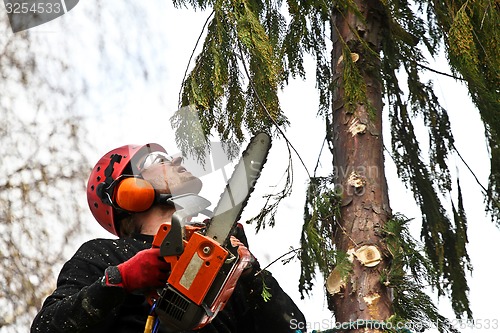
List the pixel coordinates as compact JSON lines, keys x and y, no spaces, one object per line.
{"x":125,"y":110}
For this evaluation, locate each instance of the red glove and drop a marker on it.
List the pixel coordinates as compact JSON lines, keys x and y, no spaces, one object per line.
{"x":145,"y":270}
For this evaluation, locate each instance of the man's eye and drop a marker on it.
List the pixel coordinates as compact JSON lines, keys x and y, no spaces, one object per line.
{"x":161,"y":160}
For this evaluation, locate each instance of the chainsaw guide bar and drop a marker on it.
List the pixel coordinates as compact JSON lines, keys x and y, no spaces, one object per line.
{"x":239,"y":188}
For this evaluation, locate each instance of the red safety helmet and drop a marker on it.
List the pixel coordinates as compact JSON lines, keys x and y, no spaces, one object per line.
{"x":118,"y":163}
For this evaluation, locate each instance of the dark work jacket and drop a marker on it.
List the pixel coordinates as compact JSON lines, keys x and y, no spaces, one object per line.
{"x":82,"y":304}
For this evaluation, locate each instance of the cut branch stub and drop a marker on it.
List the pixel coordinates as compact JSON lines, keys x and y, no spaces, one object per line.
{"x":358,"y":182}
{"x":335,"y":282}
{"x":368,"y":255}
{"x":354,"y":57}
{"x":357,"y":127}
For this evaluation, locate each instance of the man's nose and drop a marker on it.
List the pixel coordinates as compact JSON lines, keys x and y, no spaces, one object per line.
{"x":177,"y":160}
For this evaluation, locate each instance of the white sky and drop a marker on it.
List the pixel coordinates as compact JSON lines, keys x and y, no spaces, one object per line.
{"x":140,"y":113}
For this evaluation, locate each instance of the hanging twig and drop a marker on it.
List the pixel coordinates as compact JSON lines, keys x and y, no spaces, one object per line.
{"x":192,"y":55}
{"x":275,"y":260}
{"x":440,"y":73}
{"x":268,"y":114}
{"x":319,"y":156}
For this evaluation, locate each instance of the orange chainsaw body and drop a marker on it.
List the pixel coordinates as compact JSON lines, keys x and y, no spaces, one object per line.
{"x":201,"y":281}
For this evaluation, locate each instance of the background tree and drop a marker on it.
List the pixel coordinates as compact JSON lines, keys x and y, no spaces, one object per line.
{"x":251,"y":49}
{"x":53,"y":77}
{"x":41,"y":167}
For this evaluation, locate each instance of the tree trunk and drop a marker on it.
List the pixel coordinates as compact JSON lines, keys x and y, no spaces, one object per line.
{"x":355,"y":136}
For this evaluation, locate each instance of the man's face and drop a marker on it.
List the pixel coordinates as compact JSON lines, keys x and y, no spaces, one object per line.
{"x":169,"y":176}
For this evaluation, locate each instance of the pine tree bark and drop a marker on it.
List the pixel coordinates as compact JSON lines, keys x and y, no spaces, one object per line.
{"x":355,"y":135}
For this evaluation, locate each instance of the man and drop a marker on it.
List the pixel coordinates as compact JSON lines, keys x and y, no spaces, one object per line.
{"x":102,"y":287}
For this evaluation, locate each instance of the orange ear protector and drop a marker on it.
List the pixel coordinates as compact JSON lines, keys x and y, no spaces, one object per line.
{"x":128,"y":193}
{"x":134,"y":194}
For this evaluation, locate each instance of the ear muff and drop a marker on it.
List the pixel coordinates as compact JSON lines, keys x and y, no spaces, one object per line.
{"x":134,"y":194}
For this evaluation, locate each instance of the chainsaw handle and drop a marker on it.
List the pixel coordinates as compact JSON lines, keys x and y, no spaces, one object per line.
{"x":173,"y":244}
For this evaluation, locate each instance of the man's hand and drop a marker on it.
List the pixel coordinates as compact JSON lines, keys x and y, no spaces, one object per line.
{"x":235,"y":242}
{"x":253,"y":265}
{"x":145,"y":270}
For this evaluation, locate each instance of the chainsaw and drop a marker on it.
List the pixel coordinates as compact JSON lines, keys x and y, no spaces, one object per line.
{"x":204,"y":266}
